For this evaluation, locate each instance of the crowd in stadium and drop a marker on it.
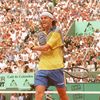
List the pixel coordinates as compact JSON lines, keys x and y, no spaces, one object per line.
{"x":19,"y":24}
{"x":15,"y":96}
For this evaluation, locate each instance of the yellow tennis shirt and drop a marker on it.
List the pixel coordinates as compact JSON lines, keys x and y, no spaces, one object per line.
{"x":53,"y":58}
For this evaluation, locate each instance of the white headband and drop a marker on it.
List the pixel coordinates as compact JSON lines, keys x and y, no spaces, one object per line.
{"x":47,"y":14}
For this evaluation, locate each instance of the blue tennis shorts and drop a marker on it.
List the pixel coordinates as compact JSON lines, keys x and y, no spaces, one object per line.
{"x":50,"y":78}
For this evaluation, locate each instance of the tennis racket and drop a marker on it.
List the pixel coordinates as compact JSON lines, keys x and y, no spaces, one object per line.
{"x":77,"y":72}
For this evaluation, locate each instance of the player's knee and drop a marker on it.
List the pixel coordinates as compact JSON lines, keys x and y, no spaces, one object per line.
{"x":39,"y":93}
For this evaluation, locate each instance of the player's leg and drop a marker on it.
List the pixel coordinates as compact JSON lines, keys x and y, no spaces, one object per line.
{"x":40,"y":84}
{"x":40,"y":89}
{"x":57,"y":77}
{"x":62,"y":93}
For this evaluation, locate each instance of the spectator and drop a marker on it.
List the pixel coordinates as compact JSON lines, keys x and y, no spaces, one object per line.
{"x":14,"y":96}
{"x":2,"y":97}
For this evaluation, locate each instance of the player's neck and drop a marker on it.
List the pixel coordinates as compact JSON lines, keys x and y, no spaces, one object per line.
{"x":47,"y":29}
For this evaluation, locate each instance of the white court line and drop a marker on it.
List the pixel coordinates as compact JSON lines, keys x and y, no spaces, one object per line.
{"x":55,"y":92}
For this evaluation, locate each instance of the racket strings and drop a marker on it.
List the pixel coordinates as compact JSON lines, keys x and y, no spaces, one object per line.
{"x":77,"y":72}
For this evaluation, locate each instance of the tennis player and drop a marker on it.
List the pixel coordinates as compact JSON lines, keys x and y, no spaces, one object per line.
{"x":50,"y":71}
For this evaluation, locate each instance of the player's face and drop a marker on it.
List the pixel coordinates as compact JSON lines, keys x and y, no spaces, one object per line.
{"x":46,"y":21}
